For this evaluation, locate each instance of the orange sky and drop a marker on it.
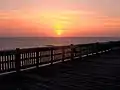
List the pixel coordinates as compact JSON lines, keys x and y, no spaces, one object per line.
{"x":58,"y":18}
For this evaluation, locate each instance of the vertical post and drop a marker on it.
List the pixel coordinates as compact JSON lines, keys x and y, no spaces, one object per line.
{"x":94,"y":50}
{"x":17,"y":60}
{"x":72,"y":51}
{"x":87,"y":50}
{"x":37,"y":58}
{"x":63,"y":54}
{"x":0,"y":62}
{"x":104,"y":48}
{"x":97,"y":48}
{"x":80,"y":53}
{"x":51,"y":56}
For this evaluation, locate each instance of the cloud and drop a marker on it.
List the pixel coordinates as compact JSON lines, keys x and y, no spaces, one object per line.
{"x":28,"y":21}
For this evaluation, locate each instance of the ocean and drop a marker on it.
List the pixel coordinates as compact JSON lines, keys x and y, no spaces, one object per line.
{"x":29,"y":42}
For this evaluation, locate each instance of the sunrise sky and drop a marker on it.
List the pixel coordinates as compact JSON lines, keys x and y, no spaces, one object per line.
{"x":65,"y":18}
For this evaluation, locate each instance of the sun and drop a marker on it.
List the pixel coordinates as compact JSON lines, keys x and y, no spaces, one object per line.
{"x":59,"y":32}
{"x":58,"y":29}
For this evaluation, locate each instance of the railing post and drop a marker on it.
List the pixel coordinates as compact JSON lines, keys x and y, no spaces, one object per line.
{"x":51,"y":56}
{"x":17,"y":60}
{"x":63,"y":54}
{"x":97,"y":48}
{"x":37,"y":58}
{"x":87,"y":47}
{"x":72,"y":51}
{"x":80,"y":53}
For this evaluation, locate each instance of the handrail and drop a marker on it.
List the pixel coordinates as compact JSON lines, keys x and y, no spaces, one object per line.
{"x":15,"y":60}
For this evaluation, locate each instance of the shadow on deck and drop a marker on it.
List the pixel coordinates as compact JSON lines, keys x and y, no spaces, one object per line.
{"x":93,"y":73}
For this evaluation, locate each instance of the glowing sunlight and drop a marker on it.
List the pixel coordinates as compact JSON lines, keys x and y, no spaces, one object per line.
{"x":59,"y":32}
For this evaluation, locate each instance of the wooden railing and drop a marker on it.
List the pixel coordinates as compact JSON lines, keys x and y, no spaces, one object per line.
{"x":16,"y":60}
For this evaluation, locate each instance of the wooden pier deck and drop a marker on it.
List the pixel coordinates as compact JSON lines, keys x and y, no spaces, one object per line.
{"x":101,"y":72}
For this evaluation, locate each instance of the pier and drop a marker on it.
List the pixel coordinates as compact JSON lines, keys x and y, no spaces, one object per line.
{"x":92,"y":66}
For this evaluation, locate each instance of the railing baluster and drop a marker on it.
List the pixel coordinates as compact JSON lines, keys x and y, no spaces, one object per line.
{"x":37,"y":58}
{"x":0,"y":63}
{"x":80,"y":53}
{"x":72,"y":51}
{"x":51,"y":56}
{"x":17,"y":60}
{"x":63,"y":54}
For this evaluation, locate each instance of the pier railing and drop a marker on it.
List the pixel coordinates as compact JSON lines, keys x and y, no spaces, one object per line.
{"x":16,"y":60}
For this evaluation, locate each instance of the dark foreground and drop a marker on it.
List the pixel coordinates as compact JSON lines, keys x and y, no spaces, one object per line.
{"x":94,"y":73}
